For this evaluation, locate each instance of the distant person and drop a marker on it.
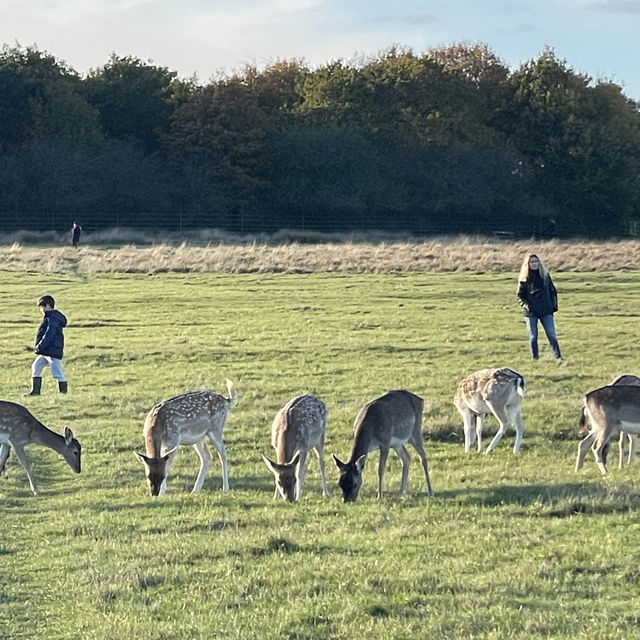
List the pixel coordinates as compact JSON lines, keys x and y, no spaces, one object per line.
{"x":76,"y":232}
{"x":49,"y":346}
{"x":539,"y":299}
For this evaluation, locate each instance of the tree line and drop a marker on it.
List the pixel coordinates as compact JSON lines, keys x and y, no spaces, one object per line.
{"x":446,"y":141}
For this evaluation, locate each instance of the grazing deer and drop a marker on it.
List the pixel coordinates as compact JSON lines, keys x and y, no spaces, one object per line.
{"x":18,"y":428}
{"x":627,"y":379}
{"x":608,"y":411}
{"x":298,"y":427}
{"x":388,"y":422}
{"x":187,"y":419}
{"x":496,"y":391}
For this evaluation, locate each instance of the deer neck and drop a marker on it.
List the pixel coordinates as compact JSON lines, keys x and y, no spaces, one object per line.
{"x":287,"y":445}
{"x":361,"y":445}
{"x":44,"y":436}
{"x":153,"y":444}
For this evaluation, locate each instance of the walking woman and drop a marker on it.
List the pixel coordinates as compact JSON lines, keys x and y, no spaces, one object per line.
{"x":539,"y":299}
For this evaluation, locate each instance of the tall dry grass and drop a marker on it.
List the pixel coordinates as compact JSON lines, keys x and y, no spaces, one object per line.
{"x":315,"y":255}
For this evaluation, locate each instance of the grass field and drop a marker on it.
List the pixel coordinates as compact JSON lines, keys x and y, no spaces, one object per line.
{"x":510,"y":547}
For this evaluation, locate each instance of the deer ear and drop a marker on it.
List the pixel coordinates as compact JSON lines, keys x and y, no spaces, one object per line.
{"x":341,"y":465}
{"x":166,"y":456}
{"x":270,"y":465}
{"x":360,"y":463}
{"x":294,"y":461}
{"x":141,"y":457}
{"x":68,"y":435}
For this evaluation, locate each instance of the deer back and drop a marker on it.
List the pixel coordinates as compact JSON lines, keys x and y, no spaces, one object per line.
{"x":387,"y":421}
{"x":299,"y":426}
{"x":615,"y":404}
{"x":185,"y":419}
{"x":627,"y":379}
{"x":502,"y":386}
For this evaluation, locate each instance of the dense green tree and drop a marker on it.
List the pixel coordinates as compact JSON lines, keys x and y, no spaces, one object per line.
{"x":395,"y":95}
{"x":571,"y":136}
{"x":223,"y":125}
{"x":320,"y":176}
{"x":446,"y":141}
{"x":40,"y":98}
{"x":135,"y":99}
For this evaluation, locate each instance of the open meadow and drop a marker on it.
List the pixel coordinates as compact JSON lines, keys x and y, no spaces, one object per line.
{"x":510,"y":546}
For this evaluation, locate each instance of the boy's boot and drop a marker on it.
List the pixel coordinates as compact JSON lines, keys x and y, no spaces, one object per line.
{"x":63,"y":386}
{"x":36,"y":385}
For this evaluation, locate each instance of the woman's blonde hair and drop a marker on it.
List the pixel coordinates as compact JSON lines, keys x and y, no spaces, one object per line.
{"x":525,"y":271}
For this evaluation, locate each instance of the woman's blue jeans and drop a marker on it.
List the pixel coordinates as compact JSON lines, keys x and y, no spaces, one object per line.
{"x":549,"y":328}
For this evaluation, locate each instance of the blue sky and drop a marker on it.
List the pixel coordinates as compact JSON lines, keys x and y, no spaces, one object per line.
{"x":206,"y":37}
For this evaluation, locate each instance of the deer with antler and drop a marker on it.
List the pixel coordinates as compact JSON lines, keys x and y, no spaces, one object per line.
{"x":192,"y":418}
{"x":19,"y":428}
{"x":297,"y":428}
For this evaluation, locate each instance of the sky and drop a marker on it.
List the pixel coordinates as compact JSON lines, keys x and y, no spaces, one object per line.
{"x":599,"y":38}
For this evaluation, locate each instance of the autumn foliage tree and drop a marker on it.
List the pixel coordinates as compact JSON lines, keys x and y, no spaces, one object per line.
{"x":446,"y":141}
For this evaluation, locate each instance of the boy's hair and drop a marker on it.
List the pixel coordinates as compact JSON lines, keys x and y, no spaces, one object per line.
{"x":47,"y":300}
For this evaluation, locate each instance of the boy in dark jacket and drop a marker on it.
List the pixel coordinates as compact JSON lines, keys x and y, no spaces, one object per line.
{"x":49,"y":346}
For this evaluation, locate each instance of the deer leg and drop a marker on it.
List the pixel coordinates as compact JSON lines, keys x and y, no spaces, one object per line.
{"x":323,"y":471}
{"x":167,"y":467}
{"x":516,"y":417}
{"x":404,"y":456}
{"x":503,"y":419}
{"x":469,"y":435}
{"x":384,"y":454}
{"x":621,"y":443}
{"x":26,"y":465}
{"x":205,"y":462}
{"x":583,"y":447}
{"x":218,"y":443}
{"x":4,"y":454}
{"x":633,"y":445}
{"x":479,"y":426}
{"x":301,"y":473}
{"x":600,"y":450}
{"x":419,"y":447}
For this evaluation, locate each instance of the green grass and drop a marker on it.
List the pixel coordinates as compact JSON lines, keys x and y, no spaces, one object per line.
{"x":510,"y":547}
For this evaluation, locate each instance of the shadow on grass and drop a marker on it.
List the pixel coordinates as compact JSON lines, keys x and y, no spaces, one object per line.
{"x":554,"y":501}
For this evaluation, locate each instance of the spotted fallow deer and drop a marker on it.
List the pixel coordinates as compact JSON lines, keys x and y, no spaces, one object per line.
{"x":496,"y":391}
{"x":297,"y":428}
{"x":388,"y":422}
{"x":632,"y":438}
{"x":607,"y":411}
{"x":18,"y":428}
{"x":191,"y":418}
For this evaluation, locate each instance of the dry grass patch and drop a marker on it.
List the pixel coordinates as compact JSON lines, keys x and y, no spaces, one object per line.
{"x":439,"y":254}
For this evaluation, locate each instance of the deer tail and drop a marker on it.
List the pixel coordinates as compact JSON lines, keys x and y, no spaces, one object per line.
{"x":521,"y":386}
{"x":231,"y":390}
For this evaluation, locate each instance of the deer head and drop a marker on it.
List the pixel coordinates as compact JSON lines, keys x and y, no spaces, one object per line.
{"x":72,"y":450}
{"x":286,"y":475}
{"x":155,"y":470}
{"x":350,"y":477}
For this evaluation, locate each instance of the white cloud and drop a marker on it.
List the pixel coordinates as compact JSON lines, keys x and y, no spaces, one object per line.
{"x":616,"y":6}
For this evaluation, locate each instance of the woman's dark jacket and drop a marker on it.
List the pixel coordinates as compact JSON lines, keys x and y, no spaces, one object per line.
{"x":50,"y":339}
{"x":538,"y":296}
